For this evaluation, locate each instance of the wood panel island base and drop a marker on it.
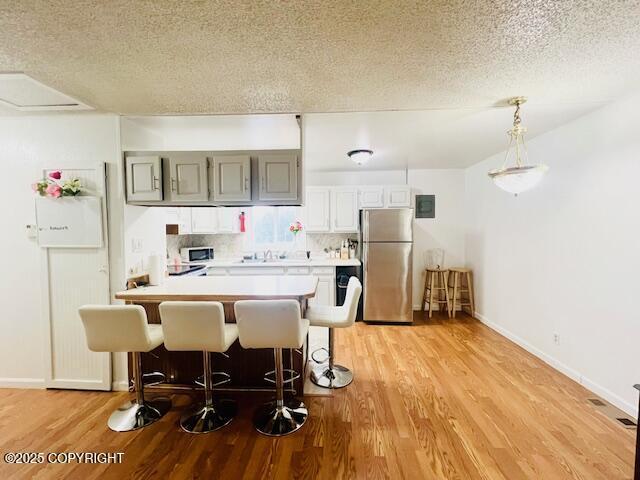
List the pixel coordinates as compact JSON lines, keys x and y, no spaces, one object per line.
{"x":245,"y":367}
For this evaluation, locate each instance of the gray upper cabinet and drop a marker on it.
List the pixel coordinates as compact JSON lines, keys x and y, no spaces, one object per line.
{"x":232,"y":178}
{"x":144,"y":179}
{"x":278,"y":176}
{"x":188,"y":178}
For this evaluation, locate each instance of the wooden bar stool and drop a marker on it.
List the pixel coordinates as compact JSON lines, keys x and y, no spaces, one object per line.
{"x":435,"y":284}
{"x":456,"y":275}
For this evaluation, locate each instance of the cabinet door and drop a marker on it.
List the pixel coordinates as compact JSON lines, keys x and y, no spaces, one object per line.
{"x":180,"y":216}
{"x":278,"y":174}
{"x":227,"y":219}
{"x":188,"y":179}
{"x":398,"y":196}
{"x":232,"y":178}
{"x":144,"y":179}
{"x":325,"y":293}
{"x":318,"y":212}
{"x":204,"y":220}
{"x":344,"y":209}
{"x":371,"y":197}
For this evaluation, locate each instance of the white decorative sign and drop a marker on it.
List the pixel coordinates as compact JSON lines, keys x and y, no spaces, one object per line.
{"x":73,"y":222}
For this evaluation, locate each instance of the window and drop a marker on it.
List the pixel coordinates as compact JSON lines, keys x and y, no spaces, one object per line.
{"x":270,"y":227}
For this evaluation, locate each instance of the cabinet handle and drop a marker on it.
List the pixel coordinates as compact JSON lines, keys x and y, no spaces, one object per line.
{"x":263,"y":189}
{"x":246,"y":184}
{"x":156,"y":183}
{"x":173,"y":184}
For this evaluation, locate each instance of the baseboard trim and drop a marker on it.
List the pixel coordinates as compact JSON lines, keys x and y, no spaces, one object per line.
{"x":609,"y":396}
{"x":120,"y":386}
{"x":22,"y":383}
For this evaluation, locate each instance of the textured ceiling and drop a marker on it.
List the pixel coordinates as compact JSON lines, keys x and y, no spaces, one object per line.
{"x":160,"y":57}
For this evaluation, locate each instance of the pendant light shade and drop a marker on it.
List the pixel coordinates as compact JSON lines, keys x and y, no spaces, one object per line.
{"x":519,"y":177}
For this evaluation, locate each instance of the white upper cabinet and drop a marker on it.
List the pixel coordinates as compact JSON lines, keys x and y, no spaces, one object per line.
{"x":232,"y":178}
{"x":278,"y":176}
{"x":204,"y":220}
{"x":398,"y":196}
{"x":227,"y":219}
{"x":188,"y":179}
{"x":213,"y":219}
{"x":344,"y":209}
{"x":371,"y":197}
{"x":180,"y":216}
{"x":144,"y":179}
{"x":318,"y":212}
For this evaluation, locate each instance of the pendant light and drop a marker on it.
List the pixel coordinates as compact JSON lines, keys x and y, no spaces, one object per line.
{"x":521,"y":177}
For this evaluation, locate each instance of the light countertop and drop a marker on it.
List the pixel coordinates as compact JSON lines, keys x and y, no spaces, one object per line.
{"x":225,"y":289}
{"x":314,"y":262}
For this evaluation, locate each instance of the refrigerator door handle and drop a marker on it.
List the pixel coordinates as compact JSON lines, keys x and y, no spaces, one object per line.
{"x":365,"y":270}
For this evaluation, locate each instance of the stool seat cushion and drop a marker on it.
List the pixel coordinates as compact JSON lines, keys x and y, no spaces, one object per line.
{"x":337,"y":317}
{"x":119,"y":328}
{"x":191,"y":326}
{"x":460,"y":269}
{"x":270,"y":324}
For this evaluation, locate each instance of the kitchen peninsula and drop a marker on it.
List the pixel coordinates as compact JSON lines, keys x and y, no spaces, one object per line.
{"x":246,"y":368}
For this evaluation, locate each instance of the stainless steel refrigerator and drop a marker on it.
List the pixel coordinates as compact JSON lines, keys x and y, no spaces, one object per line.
{"x":387,"y":257}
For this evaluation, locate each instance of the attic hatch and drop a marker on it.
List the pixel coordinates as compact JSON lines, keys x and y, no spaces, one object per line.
{"x":19,"y":91}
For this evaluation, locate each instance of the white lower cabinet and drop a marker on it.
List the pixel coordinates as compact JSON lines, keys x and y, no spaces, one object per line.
{"x":325,"y":293}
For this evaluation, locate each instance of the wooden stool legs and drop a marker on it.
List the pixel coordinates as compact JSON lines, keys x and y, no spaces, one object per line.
{"x":435,"y":283}
{"x":458,"y":289}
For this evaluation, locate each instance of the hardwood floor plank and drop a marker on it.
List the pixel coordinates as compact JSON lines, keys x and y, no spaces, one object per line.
{"x":442,"y":399}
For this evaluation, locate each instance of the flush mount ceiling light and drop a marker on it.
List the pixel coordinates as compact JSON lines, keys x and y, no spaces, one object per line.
{"x":360,"y":156}
{"x":521,"y":177}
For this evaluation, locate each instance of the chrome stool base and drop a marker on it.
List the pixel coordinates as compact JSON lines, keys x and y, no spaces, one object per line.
{"x":205,"y":419}
{"x":132,"y":415}
{"x":276,"y":421}
{"x":331,"y":377}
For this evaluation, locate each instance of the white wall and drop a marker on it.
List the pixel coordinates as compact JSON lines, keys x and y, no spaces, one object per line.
{"x":29,"y":144}
{"x":564,"y":258}
{"x":446,"y":231}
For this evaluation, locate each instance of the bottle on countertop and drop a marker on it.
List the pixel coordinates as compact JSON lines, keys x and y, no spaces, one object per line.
{"x":344,"y":251}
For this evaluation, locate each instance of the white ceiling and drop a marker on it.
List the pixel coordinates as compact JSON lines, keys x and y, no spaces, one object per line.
{"x":225,"y":56}
{"x":454,"y":138}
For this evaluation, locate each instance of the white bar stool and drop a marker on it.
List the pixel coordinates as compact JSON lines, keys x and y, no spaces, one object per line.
{"x":190,"y":326}
{"x":124,"y":328}
{"x":335,"y":376}
{"x":274,"y":324}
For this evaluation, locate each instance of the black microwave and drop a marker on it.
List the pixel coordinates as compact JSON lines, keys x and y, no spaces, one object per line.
{"x":196,"y":254}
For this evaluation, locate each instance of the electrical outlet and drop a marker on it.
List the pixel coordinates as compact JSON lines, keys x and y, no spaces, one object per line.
{"x":556,"y":339}
{"x":136,"y":245}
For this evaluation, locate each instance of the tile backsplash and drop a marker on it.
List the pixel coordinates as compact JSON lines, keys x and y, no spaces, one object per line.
{"x":233,"y":245}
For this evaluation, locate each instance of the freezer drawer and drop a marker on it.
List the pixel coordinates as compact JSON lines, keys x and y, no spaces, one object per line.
{"x":388,"y":282}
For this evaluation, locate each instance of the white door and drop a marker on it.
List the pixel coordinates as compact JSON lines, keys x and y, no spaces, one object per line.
{"x":188,"y":179}
{"x":371,"y":197}
{"x":73,"y":277}
{"x":144,"y":178}
{"x":344,"y":209}
{"x":232,"y":178}
{"x":398,"y":196}
{"x":204,"y":220}
{"x":318,"y":212}
{"x":278,"y":175}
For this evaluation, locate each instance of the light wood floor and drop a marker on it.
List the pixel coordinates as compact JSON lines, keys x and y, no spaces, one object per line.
{"x":441,"y":399}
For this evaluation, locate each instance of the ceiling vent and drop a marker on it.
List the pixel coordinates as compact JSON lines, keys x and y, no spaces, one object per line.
{"x":21,"y":92}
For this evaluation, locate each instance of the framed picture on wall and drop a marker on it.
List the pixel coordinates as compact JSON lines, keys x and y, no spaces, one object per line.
{"x":425,"y":206}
